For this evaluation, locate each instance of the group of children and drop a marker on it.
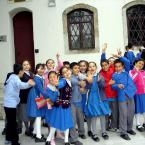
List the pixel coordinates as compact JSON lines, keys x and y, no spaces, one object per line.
{"x":71,"y":93}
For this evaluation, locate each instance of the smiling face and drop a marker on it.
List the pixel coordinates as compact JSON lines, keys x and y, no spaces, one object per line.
{"x":40,"y":71}
{"x":66,"y":73}
{"x":139,"y":65}
{"x":26,"y":66}
{"x":83,"y":67}
{"x":92,"y":67}
{"x":105,"y":66}
{"x":53,"y":79}
{"x":119,"y":67}
{"x":75,"y":70}
{"x":50,"y":64}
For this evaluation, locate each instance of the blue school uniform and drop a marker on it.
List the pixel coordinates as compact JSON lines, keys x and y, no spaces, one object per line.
{"x":35,"y":92}
{"x":129,"y":89}
{"x":60,"y":116}
{"x":97,"y":104}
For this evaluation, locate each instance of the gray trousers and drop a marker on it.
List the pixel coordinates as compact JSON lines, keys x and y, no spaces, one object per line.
{"x":92,"y":126}
{"x":113,"y":120}
{"x":126,"y":115}
{"x":78,"y":119}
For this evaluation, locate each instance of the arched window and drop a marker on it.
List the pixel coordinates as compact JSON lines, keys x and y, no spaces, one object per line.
{"x":136,"y":24}
{"x":80,"y":24}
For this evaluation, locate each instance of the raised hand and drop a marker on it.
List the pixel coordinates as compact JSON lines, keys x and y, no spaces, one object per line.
{"x":104,"y":47}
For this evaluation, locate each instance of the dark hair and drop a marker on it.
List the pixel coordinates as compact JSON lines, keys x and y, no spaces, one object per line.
{"x":118,"y":61}
{"x":130,"y":45}
{"x":104,"y":60}
{"x":49,"y":60}
{"x":38,"y":66}
{"x":81,"y":61}
{"x":93,"y":63}
{"x":60,"y":71}
{"x":52,"y":72}
{"x":136,"y":61}
{"x":66,"y":63}
{"x":17,"y":68}
{"x":73,"y":64}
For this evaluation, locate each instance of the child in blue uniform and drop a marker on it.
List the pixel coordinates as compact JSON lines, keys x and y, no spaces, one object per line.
{"x":125,"y":89}
{"x":97,"y":105}
{"x":60,"y":116}
{"x":32,"y":110}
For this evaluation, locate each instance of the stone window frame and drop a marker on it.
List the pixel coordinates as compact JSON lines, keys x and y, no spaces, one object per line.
{"x":65,"y":29}
{"x":124,"y":16}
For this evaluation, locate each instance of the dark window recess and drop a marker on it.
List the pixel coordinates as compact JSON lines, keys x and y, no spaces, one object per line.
{"x":81,"y":29}
{"x":19,"y":0}
{"x":136,"y":25}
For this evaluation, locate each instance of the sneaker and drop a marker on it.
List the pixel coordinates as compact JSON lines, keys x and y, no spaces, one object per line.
{"x":125,"y":136}
{"x":77,"y":143}
{"x":82,"y":136}
{"x":42,"y":139}
{"x":90,"y":133}
{"x":131,"y":132}
{"x":112,"y":129}
{"x":95,"y":138}
{"x":4,"y":131}
{"x":105,"y":136}
{"x":140,"y":128}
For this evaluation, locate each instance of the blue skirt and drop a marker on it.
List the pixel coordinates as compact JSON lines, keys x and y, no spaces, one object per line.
{"x":83,"y":102}
{"x":139,"y":103}
{"x":32,"y":110}
{"x":97,"y":109}
{"x":59,"y":118}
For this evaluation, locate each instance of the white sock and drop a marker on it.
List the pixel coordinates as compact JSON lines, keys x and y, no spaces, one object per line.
{"x":137,"y":116}
{"x":144,"y":118}
{"x":38,"y":127}
{"x":66,"y":133}
{"x":51,"y":134}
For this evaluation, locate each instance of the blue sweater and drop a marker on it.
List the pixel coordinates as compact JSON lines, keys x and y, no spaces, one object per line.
{"x":12,"y":90}
{"x":129,"y":87}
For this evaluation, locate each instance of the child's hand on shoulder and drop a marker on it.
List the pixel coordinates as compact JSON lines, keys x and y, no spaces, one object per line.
{"x":111,"y":82}
{"x":31,"y":82}
{"x":82,"y":84}
{"x":121,"y":86}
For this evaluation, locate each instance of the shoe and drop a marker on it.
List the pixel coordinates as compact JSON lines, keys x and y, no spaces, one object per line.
{"x":105,"y":136}
{"x":140,"y":128}
{"x":44,"y":125}
{"x":4,"y":131}
{"x":95,"y":138}
{"x":90,"y":133}
{"x":7,"y":142}
{"x":42,"y":139}
{"x":82,"y":136}
{"x":28,"y":133}
{"x":67,"y":143}
{"x":77,"y":143}
{"x":47,"y":143}
{"x":33,"y":135}
{"x":131,"y":132}
{"x":143,"y":125}
{"x":19,"y":130}
{"x":125,"y":136}
{"x":112,"y":129}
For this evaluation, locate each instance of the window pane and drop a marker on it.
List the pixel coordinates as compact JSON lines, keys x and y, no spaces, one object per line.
{"x":81,"y":29}
{"x":136,"y":25}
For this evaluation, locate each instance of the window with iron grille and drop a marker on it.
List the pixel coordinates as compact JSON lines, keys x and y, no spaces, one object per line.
{"x":81,"y":29}
{"x":136,"y":25}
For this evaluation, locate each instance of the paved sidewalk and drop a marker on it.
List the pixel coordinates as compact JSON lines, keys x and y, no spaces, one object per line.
{"x":138,"y":139}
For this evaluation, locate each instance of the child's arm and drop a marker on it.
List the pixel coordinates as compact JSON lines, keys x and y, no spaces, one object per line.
{"x":101,"y":81}
{"x":59,"y":62}
{"x":25,"y":85}
{"x":61,"y":83}
{"x":103,"y":55}
{"x":40,"y":88}
{"x":115,"y":85}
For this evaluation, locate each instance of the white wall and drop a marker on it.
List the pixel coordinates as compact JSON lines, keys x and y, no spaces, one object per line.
{"x":48,"y":29}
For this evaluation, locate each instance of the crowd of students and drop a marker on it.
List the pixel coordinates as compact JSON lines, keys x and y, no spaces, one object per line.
{"x":66,"y":96}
